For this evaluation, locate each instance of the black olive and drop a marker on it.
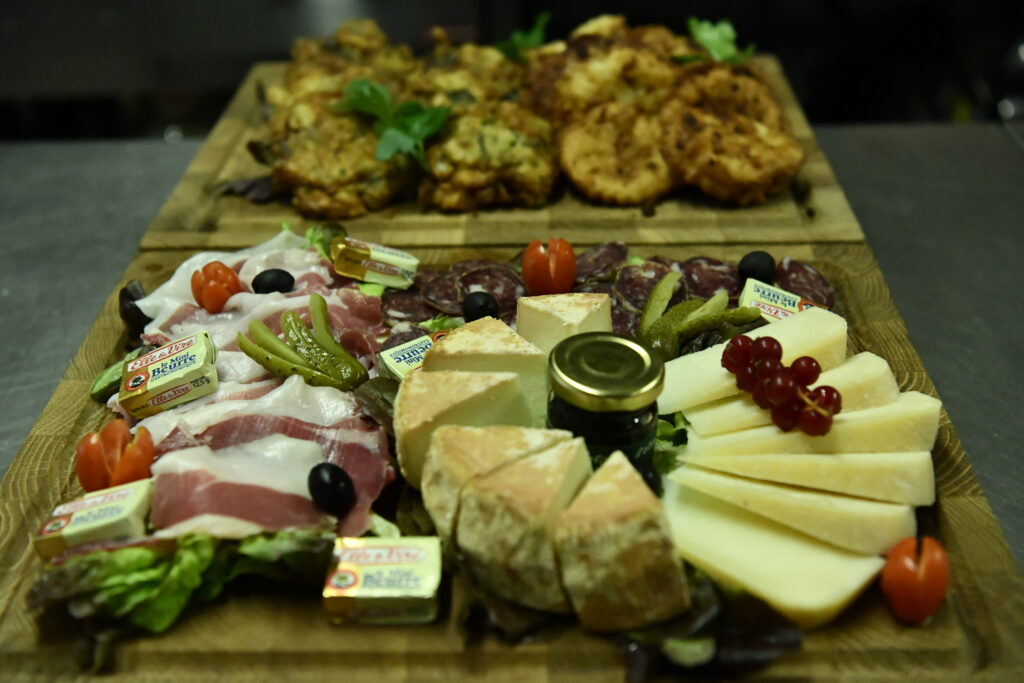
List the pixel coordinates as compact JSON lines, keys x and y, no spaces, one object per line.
{"x":478,"y":305}
{"x":759,"y":265}
{"x":131,"y":315}
{"x":332,"y":489}
{"x":273,"y":280}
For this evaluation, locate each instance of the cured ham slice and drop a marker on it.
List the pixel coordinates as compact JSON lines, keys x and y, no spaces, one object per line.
{"x":262,"y":482}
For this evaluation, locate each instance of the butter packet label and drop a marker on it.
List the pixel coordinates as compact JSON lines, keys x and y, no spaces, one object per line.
{"x":114,"y":514}
{"x":396,"y":363}
{"x":375,"y":263}
{"x":384,"y":580}
{"x":180,"y":371}
{"x":774,"y":303}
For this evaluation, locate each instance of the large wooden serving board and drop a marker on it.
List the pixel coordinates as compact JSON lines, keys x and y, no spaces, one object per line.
{"x":197,"y":216}
{"x":279,"y":633}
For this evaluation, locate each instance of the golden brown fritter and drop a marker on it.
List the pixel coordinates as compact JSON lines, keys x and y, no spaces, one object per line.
{"x":612,"y":155}
{"x":725,"y":90}
{"x":499,"y":154}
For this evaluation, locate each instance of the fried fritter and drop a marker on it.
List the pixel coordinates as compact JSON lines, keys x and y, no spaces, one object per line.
{"x":725,"y":90}
{"x":498,"y":154}
{"x":612,"y":155}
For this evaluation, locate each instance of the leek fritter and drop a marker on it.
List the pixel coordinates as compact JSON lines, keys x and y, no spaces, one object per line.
{"x":726,"y":90}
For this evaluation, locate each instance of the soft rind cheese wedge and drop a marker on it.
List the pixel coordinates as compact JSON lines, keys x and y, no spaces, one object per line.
{"x":806,"y":580}
{"x":863,"y":526}
{"x":865,"y":381}
{"x":907,"y":478}
{"x":546,"y":320}
{"x":458,"y":454}
{"x":618,"y":563}
{"x":698,"y":378}
{"x":506,"y":520}
{"x":428,"y":400}
{"x":489,"y":345}
{"x":909,"y":424}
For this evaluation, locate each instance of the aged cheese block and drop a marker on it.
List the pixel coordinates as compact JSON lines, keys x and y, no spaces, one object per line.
{"x":489,"y":345}
{"x":618,"y":563}
{"x":909,"y":424}
{"x":699,"y":377}
{"x":863,"y":526}
{"x":895,"y":477}
{"x":428,"y":400}
{"x":457,"y":454}
{"x":864,"y":380}
{"x":808,"y":581}
{"x":506,"y":519}
{"x":546,"y":320}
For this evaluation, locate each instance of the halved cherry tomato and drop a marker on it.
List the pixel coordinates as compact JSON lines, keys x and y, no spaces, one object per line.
{"x":213,"y":286}
{"x":549,"y":272}
{"x":915,"y":578}
{"x":111,"y":457}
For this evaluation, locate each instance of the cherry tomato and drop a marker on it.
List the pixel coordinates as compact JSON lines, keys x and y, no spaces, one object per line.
{"x":111,"y":457}
{"x":915,"y":578}
{"x":550,"y":271}
{"x":89,"y":466}
{"x":213,"y":286}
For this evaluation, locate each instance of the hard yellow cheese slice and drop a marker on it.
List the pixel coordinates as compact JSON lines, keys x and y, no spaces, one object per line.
{"x":863,"y":526}
{"x":808,"y":581}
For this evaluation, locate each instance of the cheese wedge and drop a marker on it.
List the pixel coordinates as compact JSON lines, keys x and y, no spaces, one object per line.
{"x":458,"y":454}
{"x":505,"y":523}
{"x":699,"y":377}
{"x":909,"y":424}
{"x":546,"y":320}
{"x":428,"y":400}
{"x":864,"y":380}
{"x":489,"y":345}
{"x":808,"y":581}
{"x":863,"y":526}
{"x":907,"y":478}
{"x":618,"y":563}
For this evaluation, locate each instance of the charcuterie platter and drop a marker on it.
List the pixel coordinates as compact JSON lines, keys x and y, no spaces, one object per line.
{"x":256,"y":628}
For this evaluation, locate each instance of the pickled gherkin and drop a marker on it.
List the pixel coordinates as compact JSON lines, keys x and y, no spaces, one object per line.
{"x":657,"y":302}
{"x":693,"y":317}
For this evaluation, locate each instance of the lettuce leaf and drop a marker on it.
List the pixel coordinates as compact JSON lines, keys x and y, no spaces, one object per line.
{"x":442,"y":323}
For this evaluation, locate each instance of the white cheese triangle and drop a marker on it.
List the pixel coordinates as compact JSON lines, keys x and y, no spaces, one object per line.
{"x":895,"y":477}
{"x":862,"y":526}
{"x":505,"y":523}
{"x":618,"y":563}
{"x":808,"y":581}
{"x":546,"y":320}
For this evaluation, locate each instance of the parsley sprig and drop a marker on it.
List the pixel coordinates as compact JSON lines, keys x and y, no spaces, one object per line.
{"x":719,"y":40}
{"x":516,"y":46}
{"x":403,"y":129}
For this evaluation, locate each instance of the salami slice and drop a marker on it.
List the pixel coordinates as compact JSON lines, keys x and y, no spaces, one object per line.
{"x":633,"y":284}
{"x":598,"y":263}
{"x":803,"y":280}
{"x":624,"y":321}
{"x":499,"y":281}
{"x":463,"y":267}
{"x":423,"y":277}
{"x":705,"y":276}
{"x":594,"y":288}
{"x":406,"y":306}
{"x":402,"y":333}
{"x":445,"y":293}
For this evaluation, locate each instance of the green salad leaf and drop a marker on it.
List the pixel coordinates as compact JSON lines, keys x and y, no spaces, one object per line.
{"x":719,"y":40}
{"x":442,"y":323}
{"x":371,"y":288}
{"x":520,"y":42}
{"x":320,"y":236}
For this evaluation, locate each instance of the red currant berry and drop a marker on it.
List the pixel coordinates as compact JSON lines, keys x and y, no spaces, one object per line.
{"x":746,"y":378}
{"x":764,"y":348}
{"x":759,"y":396}
{"x":813,"y":422}
{"x":787,"y":416}
{"x":737,"y":353}
{"x":828,"y":398}
{"x":780,"y":387}
{"x":806,"y":370}
{"x":766,"y":368}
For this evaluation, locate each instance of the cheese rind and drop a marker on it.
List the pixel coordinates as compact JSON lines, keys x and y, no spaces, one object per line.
{"x":909,"y":424}
{"x":458,"y":454}
{"x":546,"y":320}
{"x":865,"y":381}
{"x":428,"y":400}
{"x":806,"y":580}
{"x":698,"y":378}
{"x":489,"y":345}
{"x":863,"y":526}
{"x":907,"y":478}
{"x":618,"y":563}
{"x":505,"y":523}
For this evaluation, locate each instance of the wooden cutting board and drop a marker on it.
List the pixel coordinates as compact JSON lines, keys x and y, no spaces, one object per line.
{"x":196,"y":215}
{"x":273,"y":632}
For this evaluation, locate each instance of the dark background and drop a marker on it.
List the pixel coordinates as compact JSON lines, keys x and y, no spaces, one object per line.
{"x":150,"y":69}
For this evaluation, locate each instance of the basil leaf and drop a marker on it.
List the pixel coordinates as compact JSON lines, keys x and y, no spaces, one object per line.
{"x":393,"y":141}
{"x":520,"y":42}
{"x":719,"y":40}
{"x":425,"y":124}
{"x":368,"y":97}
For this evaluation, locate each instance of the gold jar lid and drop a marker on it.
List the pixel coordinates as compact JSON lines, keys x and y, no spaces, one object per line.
{"x":604,"y":372}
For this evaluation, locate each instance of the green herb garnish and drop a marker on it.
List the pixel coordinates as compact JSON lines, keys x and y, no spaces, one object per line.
{"x":403,"y":129}
{"x":520,"y":42}
{"x":320,"y":236}
{"x":719,"y":40}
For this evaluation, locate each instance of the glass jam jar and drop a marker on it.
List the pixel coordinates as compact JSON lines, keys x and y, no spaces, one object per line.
{"x":605,"y":387}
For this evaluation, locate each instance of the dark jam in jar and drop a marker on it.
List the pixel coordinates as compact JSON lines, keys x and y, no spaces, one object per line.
{"x":604,"y":387}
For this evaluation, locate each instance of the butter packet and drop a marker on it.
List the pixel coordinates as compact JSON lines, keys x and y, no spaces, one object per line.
{"x":384,"y":580}
{"x":173,"y":374}
{"x":372,"y":262}
{"x":399,"y":361}
{"x":774,"y":303}
{"x":114,"y":514}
